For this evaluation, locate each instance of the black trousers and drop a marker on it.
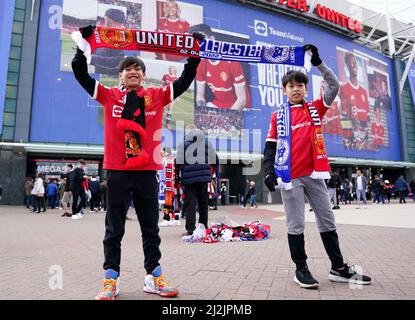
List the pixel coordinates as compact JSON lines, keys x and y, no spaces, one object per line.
{"x":196,"y":194}
{"x":78,"y":193}
{"x":95,"y":201}
{"x":38,"y":203}
{"x":143,"y":187}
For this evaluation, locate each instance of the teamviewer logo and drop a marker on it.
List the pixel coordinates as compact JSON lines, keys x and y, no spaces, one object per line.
{"x":261,"y":28}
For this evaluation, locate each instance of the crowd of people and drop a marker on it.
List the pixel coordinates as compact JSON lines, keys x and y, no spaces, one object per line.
{"x":72,"y":193}
{"x":358,"y":189}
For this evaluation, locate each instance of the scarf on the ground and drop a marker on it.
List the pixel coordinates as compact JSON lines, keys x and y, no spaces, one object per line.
{"x":187,"y":45}
{"x":282,"y":164}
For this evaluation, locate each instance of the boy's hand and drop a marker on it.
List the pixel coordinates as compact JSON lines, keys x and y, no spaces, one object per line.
{"x":315,"y":59}
{"x":271,"y":181}
{"x":87,"y":31}
{"x":198,"y":35}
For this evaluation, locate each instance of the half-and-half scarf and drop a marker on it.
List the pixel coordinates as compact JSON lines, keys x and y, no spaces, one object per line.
{"x":189,"y":46}
{"x":282,"y":164}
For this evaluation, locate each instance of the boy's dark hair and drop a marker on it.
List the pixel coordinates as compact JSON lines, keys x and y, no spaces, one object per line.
{"x":204,"y":28}
{"x":69,"y":165}
{"x":296,"y":76}
{"x":82,"y":161}
{"x":130,"y":61}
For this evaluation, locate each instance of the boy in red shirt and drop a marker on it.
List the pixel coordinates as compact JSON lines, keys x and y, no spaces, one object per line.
{"x":296,"y":161}
{"x":132,"y":143}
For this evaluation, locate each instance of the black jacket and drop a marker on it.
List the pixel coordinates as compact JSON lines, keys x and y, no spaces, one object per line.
{"x":195,"y":156}
{"x":76,"y":178}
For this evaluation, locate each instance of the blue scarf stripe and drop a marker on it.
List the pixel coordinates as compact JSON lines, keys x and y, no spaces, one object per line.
{"x":282,"y":164}
{"x":221,"y":50}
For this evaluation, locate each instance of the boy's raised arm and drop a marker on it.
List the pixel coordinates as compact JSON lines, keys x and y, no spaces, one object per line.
{"x":333,"y":85}
{"x":189,"y":73}
{"x":80,"y":70}
{"x":80,"y":66}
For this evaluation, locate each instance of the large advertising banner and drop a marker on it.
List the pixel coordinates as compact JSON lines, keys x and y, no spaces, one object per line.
{"x":231,"y":102}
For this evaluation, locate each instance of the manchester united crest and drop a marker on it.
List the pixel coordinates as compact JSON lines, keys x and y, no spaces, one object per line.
{"x":147,"y":101}
{"x":224,"y":76}
{"x":117,"y":38}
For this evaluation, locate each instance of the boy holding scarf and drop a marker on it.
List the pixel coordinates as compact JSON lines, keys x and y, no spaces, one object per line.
{"x":296,"y":162}
{"x":133,"y":120}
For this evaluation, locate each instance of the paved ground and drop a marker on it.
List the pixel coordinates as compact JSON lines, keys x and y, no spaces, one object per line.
{"x":48,"y":257}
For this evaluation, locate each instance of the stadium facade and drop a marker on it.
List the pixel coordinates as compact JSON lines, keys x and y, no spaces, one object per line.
{"x":46,"y":120}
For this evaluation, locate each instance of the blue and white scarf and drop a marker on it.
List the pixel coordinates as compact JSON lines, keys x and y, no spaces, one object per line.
{"x":187,"y":45}
{"x":282,"y":164}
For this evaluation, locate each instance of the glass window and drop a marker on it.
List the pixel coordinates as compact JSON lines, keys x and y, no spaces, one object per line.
{"x":13,"y":78}
{"x":10,"y":105}
{"x":11,"y":92}
{"x":15,"y":52}
{"x":18,"y":27}
{"x":9,"y":119}
{"x":14,"y":65}
{"x":17,"y":40}
{"x":19,"y":14}
{"x":8,"y":133}
{"x":20,"y":4}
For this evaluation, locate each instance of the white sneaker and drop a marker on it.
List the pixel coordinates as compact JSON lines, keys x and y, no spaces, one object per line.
{"x":77,"y":216}
{"x":165,"y":223}
{"x":175,"y":223}
{"x":357,"y":207}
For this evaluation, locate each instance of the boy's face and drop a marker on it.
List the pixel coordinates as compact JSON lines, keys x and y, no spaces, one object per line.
{"x":132,"y":76}
{"x":295,"y":92}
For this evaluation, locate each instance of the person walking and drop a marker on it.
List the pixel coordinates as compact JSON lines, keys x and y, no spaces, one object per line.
{"x":95,"y":189}
{"x":77,"y":178}
{"x":223,"y":190}
{"x":195,"y":171}
{"x":28,"y":187}
{"x":38,"y":194}
{"x":67,"y":199}
{"x":252,"y":195}
{"x":52,"y":191}
{"x":333,"y":184}
{"x":378,"y":190}
{"x":388,"y":190}
{"x":360,"y":185}
{"x":246,"y":194}
{"x":401,"y":187}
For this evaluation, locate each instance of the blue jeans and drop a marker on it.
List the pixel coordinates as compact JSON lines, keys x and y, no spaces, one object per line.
{"x":51,"y":201}
{"x":28,"y":201}
{"x":253,"y":200}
